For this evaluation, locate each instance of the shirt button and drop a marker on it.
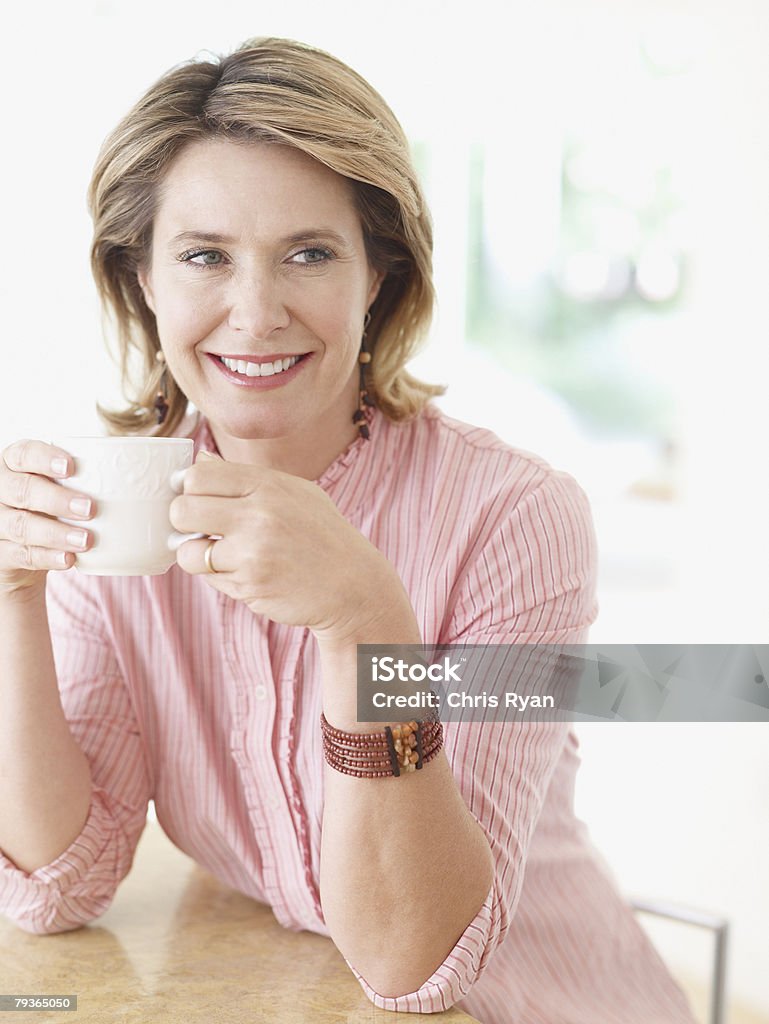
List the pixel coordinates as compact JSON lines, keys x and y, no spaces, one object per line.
{"x":260,"y":691}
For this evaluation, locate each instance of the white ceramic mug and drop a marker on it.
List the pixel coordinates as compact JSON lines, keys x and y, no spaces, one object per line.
{"x":133,"y":481}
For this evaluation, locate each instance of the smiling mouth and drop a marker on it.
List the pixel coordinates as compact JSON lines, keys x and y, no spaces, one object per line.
{"x":250,"y":367}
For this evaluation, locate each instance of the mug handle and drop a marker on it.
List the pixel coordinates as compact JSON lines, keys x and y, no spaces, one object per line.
{"x":177,"y":479}
{"x":175,"y":540}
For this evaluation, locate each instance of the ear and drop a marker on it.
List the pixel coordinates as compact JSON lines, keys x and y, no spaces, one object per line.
{"x":376,"y":283}
{"x":144,"y":284}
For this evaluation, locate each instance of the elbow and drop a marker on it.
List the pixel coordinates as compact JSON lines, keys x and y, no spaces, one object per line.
{"x":395,"y":980}
{"x":400,"y":968}
{"x":56,"y":913}
{"x":398,"y":952}
{"x":409,"y":967}
{"x":41,"y":926}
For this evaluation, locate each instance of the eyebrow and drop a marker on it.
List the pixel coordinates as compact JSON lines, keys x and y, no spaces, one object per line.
{"x":305,"y":235}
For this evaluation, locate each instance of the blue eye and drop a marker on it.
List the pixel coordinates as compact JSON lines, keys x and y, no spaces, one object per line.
{"x":314,"y":255}
{"x":192,"y":255}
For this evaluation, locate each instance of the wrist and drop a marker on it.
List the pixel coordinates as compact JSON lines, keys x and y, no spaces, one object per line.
{"x":389,"y":622}
{"x":376,"y":610}
{"x":23,"y":593}
{"x":339,"y":665}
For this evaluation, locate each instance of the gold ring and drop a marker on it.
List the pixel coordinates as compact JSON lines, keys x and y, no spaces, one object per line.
{"x":207,"y":556}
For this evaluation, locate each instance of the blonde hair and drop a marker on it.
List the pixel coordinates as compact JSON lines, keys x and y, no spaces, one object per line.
{"x":274,"y":90}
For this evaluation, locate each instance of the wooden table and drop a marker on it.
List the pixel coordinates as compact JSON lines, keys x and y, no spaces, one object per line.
{"x":178,"y":946}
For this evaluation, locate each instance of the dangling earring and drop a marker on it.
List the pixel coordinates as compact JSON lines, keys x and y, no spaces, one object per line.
{"x":364,"y":398}
{"x":161,"y":398}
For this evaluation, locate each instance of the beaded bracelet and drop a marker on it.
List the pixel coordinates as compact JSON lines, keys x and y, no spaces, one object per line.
{"x":406,"y":747}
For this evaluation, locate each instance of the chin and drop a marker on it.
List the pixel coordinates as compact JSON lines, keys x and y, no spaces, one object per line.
{"x":249,"y":426}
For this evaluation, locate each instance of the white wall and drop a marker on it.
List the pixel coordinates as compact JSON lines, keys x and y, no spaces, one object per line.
{"x":679,"y":811}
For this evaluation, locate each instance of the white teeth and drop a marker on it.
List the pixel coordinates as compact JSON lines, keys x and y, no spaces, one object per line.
{"x":249,"y":369}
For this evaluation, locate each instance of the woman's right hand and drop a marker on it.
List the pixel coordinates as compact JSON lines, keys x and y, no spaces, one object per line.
{"x":31,"y":539}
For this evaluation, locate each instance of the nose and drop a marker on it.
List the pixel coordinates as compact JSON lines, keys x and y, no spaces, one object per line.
{"x":257,"y":304}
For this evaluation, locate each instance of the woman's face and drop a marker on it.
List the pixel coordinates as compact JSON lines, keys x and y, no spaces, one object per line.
{"x":258,"y":257}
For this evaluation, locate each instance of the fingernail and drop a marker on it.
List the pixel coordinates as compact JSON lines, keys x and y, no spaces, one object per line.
{"x":80,"y":506}
{"x":77,"y":538}
{"x":59,"y":466}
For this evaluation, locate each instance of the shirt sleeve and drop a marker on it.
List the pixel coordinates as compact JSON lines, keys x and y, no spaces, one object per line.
{"x":81,"y":882}
{"x":532,"y":580}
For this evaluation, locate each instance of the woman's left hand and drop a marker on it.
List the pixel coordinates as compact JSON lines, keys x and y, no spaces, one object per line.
{"x":286,"y":551}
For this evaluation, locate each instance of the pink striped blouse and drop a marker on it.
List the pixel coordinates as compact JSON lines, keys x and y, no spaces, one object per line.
{"x":182,"y":695}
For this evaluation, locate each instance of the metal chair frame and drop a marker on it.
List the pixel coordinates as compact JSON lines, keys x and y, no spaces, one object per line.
{"x":701,"y":919}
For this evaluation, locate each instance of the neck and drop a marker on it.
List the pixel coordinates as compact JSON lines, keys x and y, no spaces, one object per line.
{"x":306,"y":453}
{"x":300,"y":456}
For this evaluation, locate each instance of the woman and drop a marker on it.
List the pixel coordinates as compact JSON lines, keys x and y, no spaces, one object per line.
{"x":262,"y":243}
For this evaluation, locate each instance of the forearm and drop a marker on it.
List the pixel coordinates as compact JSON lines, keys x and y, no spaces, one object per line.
{"x":45,"y":779}
{"x":404,"y":865}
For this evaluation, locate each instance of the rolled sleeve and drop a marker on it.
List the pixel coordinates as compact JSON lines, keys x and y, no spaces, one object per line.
{"x":81,"y":882}
{"x":452,"y":981}
{"x":531,"y":581}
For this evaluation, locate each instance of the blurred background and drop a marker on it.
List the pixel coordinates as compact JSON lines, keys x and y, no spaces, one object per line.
{"x":598,"y":175}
